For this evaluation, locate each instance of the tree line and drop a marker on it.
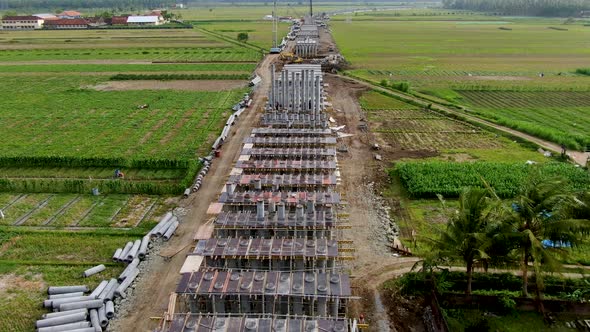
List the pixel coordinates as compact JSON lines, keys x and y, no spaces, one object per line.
{"x":558,"y":8}
{"x":121,"y":5}
{"x":533,"y":230}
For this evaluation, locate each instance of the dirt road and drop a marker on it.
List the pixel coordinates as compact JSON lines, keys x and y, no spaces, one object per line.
{"x":152,"y":291}
{"x":578,"y":156}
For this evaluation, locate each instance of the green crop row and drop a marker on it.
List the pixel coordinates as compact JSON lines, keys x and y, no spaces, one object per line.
{"x":100,"y":68}
{"x":85,"y":186}
{"x":428,"y":179}
{"x":73,"y":161}
{"x":170,"y":77}
{"x":121,"y":186}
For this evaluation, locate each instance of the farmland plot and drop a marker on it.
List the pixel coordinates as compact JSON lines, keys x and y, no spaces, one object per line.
{"x":73,"y":210}
{"x":409,"y":128}
{"x":559,"y":116}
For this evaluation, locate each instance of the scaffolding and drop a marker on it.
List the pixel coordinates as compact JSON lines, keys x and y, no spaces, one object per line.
{"x":271,"y":258}
{"x":187,"y":322}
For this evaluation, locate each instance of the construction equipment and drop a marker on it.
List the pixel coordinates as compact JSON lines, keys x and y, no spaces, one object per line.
{"x":290,"y":57}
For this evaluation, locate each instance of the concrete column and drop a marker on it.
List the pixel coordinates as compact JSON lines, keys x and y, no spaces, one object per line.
{"x":298,"y":92}
{"x":229,"y":188}
{"x":273,"y":87}
{"x":281,"y":209}
{"x":335,"y":305}
{"x":244,"y":305}
{"x":299,"y":212}
{"x":271,"y":206}
{"x":322,"y":306}
{"x":260,"y":209}
{"x":310,"y":205}
{"x":293,"y":92}
{"x":318,"y":94}
{"x":303,"y":89}
{"x":312,"y":91}
{"x":284,"y":85}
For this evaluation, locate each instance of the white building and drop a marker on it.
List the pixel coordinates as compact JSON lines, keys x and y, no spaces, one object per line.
{"x":145,"y":20}
{"x":21,"y":23}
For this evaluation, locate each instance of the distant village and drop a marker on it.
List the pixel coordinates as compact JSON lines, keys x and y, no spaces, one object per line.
{"x":71,"y":19}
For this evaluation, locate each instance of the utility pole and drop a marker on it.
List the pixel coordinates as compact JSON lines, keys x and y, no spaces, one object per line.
{"x":274,"y":24}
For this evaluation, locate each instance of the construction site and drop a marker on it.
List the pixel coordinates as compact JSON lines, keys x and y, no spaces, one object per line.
{"x":271,"y":255}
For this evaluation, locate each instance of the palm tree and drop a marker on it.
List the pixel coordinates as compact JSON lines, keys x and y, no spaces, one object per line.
{"x":465,"y":236}
{"x":542,"y":212}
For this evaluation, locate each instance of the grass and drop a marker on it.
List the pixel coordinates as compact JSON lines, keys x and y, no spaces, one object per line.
{"x":32,"y":261}
{"x":64,"y":210}
{"x":462,"y":63}
{"x":96,"y":68}
{"x":259,"y":32}
{"x":537,"y":113}
{"x":401,"y":126}
{"x":459,"y":320}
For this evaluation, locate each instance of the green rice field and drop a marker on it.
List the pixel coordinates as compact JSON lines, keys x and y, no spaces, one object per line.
{"x":524,"y":78}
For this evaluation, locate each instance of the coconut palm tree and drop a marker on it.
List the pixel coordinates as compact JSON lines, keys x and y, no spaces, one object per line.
{"x":542,"y":211}
{"x":466,"y":236}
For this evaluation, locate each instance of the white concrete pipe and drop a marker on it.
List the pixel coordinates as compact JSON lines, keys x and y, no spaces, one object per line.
{"x":61,"y":296}
{"x":93,"y":270}
{"x":133,"y":265}
{"x":94,"y":320}
{"x":66,"y":289}
{"x":133,"y":252}
{"x":91,"y":304}
{"x":126,"y":250}
{"x":96,"y":292}
{"x":145,"y":241}
{"x":64,"y":313}
{"x":162,"y":221}
{"x":164,"y":229}
{"x":106,"y":290}
{"x":110,"y":294}
{"x":117,"y":254}
{"x":120,"y":291}
{"x":55,"y":303}
{"x":61,"y":320}
{"x":110,"y":309}
{"x":170,"y":231}
{"x":102,"y":317}
{"x":64,"y":327}
{"x":86,"y":329}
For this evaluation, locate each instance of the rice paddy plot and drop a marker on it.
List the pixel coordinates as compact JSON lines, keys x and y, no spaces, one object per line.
{"x":559,"y":116}
{"x":218,"y":54}
{"x":73,"y":210}
{"x":526,"y":99}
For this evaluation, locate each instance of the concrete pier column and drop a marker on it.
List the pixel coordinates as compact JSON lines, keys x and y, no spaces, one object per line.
{"x":260,"y":209}
{"x":335,"y":305}
{"x":281,"y":211}
{"x":273,"y":87}
{"x":299,"y":213}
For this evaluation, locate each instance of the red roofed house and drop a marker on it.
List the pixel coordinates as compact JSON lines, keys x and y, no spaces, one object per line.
{"x":21,"y":23}
{"x":119,"y":20}
{"x":75,"y":23}
{"x":69,"y":14}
